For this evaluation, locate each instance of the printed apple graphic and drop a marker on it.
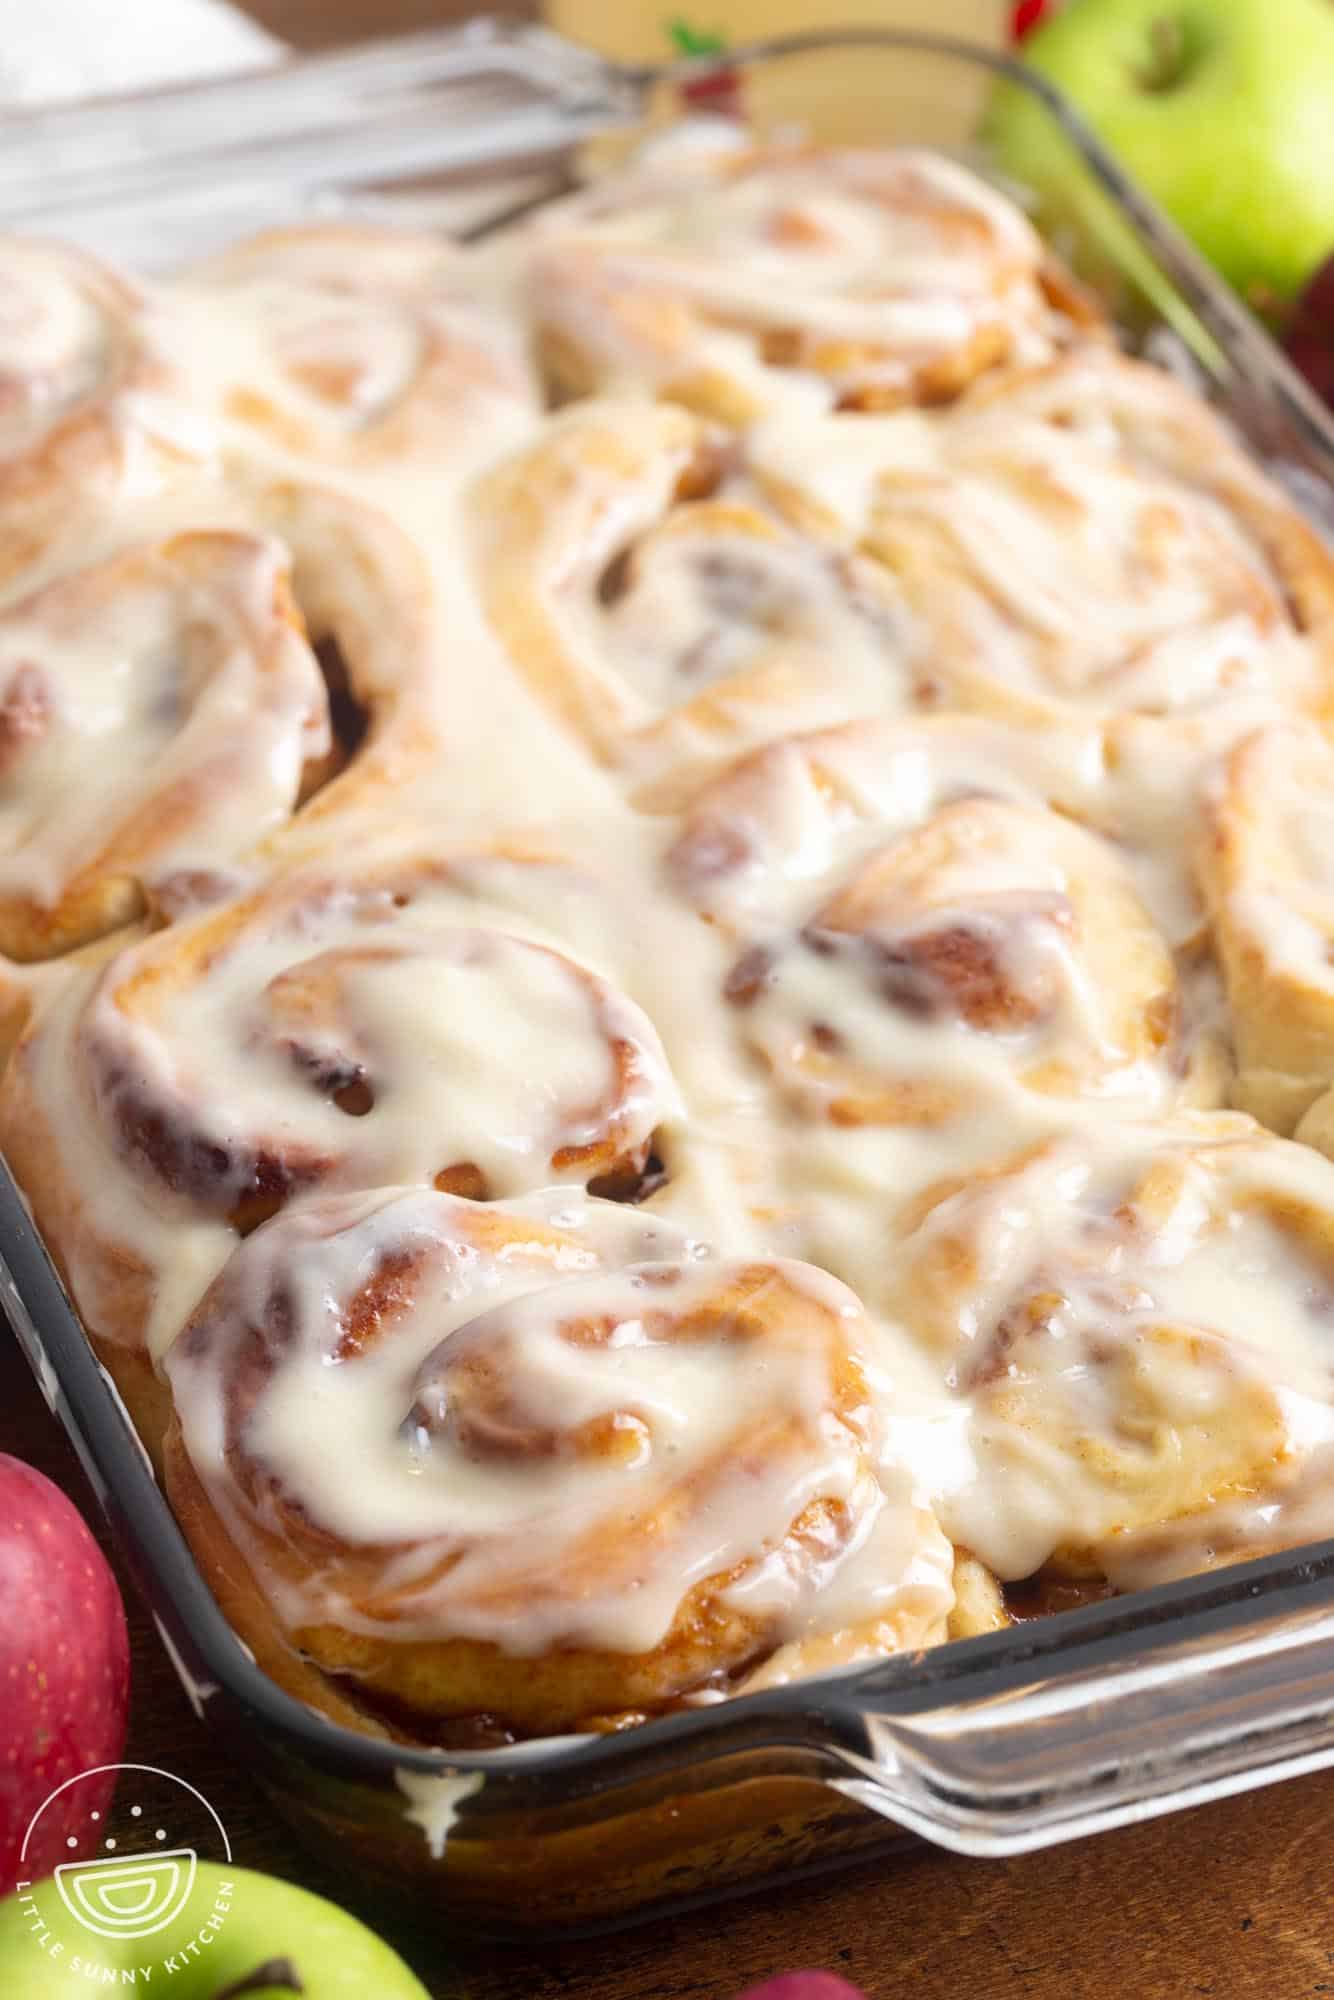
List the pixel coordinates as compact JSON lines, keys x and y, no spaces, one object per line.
{"x":239,"y":1934}
{"x":64,"y":1664}
{"x":1221,"y":109}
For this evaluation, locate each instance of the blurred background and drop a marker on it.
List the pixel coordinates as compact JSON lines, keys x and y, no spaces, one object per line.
{"x":632,"y":28}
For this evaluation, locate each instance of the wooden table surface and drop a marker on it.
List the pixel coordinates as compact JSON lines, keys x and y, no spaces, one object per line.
{"x":1229,"y":1900}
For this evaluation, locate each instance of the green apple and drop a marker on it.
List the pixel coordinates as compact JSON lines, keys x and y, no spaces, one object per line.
{"x":237,"y":1934}
{"x":1223,"y":110}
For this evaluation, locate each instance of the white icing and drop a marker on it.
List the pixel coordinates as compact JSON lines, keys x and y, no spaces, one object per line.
{"x":52,"y":348}
{"x":376,"y":350}
{"x":874,"y":264}
{"x":522,"y":945}
{"x":174,"y":658}
{"x":557,"y":1440}
{"x":1063,"y":552}
{"x":434,"y":1802}
{"x":1139,"y":1329}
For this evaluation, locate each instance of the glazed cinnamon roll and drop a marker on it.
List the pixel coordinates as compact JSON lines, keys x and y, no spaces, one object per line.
{"x":1136,"y":1320}
{"x":861,"y":278}
{"x":376,"y":616}
{"x":919,"y":935}
{"x":363,"y":348}
{"x":158,"y":713}
{"x":344,"y":1025}
{"x":162,"y":712}
{"x":656,"y":604}
{"x":1079,"y":539}
{"x":92,"y":410}
{"x":1264,"y":860}
{"x":536,"y":1463}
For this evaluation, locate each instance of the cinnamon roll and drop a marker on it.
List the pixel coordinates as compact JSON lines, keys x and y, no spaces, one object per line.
{"x":158,"y":712}
{"x":344,"y":1025}
{"x":93,"y":412}
{"x":1136,"y":1320}
{"x":1080,"y":539}
{"x":163,"y":712}
{"x":1264,"y":861}
{"x":377,"y":618}
{"x":663,"y":611}
{"x":920,"y":935}
{"x":362,"y":348}
{"x":536,"y":1462}
{"x":861,"y":278}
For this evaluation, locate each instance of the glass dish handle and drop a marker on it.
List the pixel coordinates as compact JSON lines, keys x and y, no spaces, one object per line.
{"x":1073,"y":1740}
{"x":167,"y":175}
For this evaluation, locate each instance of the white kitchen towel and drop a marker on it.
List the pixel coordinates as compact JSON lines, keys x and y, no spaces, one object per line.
{"x":53,"y":50}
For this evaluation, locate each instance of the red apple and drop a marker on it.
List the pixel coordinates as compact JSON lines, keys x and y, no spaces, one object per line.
{"x":1026,"y":15}
{"x":64,"y":1666}
{"x":804,"y":1986}
{"x":716,"y":91}
{"x":1309,"y":337}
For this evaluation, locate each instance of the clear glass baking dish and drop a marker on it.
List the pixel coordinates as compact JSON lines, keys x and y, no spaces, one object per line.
{"x":1052,"y":1729}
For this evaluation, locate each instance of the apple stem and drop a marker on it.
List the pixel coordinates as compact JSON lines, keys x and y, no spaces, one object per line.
{"x":278,"y":1972}
{"x":1167,"y":49}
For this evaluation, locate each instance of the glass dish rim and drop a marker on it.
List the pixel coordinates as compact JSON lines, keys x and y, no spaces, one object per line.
{"x":1094,"y":1637}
